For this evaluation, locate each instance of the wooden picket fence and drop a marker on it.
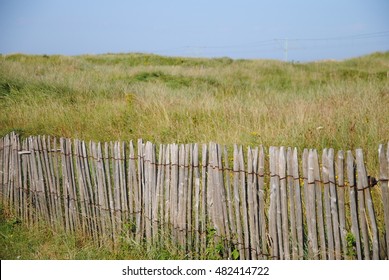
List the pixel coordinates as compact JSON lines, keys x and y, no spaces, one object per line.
{"x":238,"y":204}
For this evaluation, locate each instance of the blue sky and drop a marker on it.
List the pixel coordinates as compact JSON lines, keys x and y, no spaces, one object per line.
{"x":273,"y":29}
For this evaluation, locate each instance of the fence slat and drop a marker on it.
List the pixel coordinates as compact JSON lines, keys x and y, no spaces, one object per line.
{"x":189,"y":198}
{"x":334,"y":203}
{"x":364,"y":185}
{"x":237,"y":202}
{"x":255,"y":226}
{"x":284,"y":202}
{"x":353,"y":203}
{"x":250,"y":201}
{"x":230,"y":200}
{"x":311,"y":215}
{"x":362,"y":206}
{"x":341,"y":201}
{"x":273,"y":203}
{"x":261,"y":201}
{"x":292,"y":201}
{"x":204,"y":202}
{"x":383,"y":154}
{"x":196,"y":200}
{"x":327,"y":202}
{"x":319,"y":202}
{"x":298,"y":203}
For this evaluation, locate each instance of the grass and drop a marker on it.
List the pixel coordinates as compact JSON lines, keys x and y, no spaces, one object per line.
{"x":342,"y":105}
{"x":128,"y":96}
{"x":19,"y":241}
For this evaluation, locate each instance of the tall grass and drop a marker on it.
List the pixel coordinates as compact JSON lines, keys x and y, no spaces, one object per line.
{"x":166,"y":99}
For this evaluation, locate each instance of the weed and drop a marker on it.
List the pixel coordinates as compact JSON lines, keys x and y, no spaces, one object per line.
{"x":351,"y":246}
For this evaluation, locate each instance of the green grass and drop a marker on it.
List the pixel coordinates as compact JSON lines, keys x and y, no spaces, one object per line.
{"x":19,"y":241}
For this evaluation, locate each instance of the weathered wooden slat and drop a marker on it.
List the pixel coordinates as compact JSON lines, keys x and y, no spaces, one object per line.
{"x":103,"y":193}
{"x":89,"y":191}
{"x":141,"y":188}
{"x":383,"y":154}
{"x":222,"y":198}
{"x":278,"y":206}
{"x":250,"y":203}
{"x":334,"y":204}
{"x":273,"y":204}
{"x":209,"y":195}
{"x":292,"y":202}
{"x":189,"y":198}
{"x":94,"y":173}
{"x":42,"y":189}
{"x":319,"y":203}
{"x":237,"y":202}
{"x":11,"y":173}
{"x":255,"y":227}
{"x":230,"y":203}
{"x":204,"y":202}
{"x":284,"y":202}
{"x":56,"y":156}
{"x":174,"y":191}
{"x":123,"y":185}
{"x":196,"y":200}
{"x":341,"y":201}
{"x":6,"y":171}
{"x":327,"y":203}
{"x":18,"y":179}
{"x":181,"y":217}
{"x":353,"y":203}
{"x":153,"y":206}
{"x":215,"y":194}
{"x":116,"y":188}
{"x":168,"y":218}
{"x":66,"y":183}
{"x":81,"y":183}
{"x":362,"y":205}
{"x":298,"y":204}
{"x":306,"y":202}
{"x":2,"y":170}
{"x":261,"y":201}
{"x":159,"y":202}
{"x":147,"y":192}
{"x":312,"y":204}
{"x":108,"y":166}
{"x":50,"y":180}
{"x":243,"y":187}
{"x":134,"y":197}
{"x":362,"y":176}
{"x":31,"y":197}
{"x":25,"y":178}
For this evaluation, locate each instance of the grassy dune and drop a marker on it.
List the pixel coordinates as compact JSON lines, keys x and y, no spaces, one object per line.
{"x":342,"y":105}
